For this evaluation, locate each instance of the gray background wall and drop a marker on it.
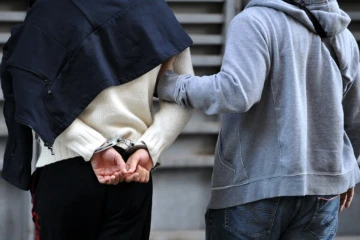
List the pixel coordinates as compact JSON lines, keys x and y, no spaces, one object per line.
{"x":182,"y":184}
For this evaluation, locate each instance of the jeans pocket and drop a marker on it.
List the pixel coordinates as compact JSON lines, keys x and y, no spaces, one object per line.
{"x":324,"y":222}
{"x":252,"y":220}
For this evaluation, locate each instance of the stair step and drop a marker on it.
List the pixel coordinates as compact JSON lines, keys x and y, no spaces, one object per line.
{"x":177,"y":235}
{"x":186,"y":161}
{"x":12,"y":16}
{"x":356,"y":35}
{"x":4,"y":37}
{"x":206,"y":39}
{"x":355,"y":16}
{"x":206,"y":60}
{"x":202,"y":128}
{"x":202,"y":18}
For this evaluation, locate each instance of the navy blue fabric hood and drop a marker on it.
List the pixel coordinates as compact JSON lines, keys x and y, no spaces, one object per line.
{"x":31,"y":2}
{"x":95,"y":45}
{"x":65,"y":53}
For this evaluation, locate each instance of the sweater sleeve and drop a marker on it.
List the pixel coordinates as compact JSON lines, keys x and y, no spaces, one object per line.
{"x":81,"y":139}
{"x":170,"y":120}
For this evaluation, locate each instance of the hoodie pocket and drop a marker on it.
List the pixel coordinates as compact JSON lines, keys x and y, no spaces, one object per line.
{"x":228,"y":166}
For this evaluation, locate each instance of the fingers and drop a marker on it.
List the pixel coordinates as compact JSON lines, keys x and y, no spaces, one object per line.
{"x":121,"y":163}
{"x":349,"y":198}
{"x":145,"y":178}
{"x":112,"y":155}
{"x":132,"y":178}
{"x":103,"y":179}
{"x":167,"y":65}
{"x":114,"y":179}
{"x":346,"y":199}
{"x":343,"y":198}
{"x":144,"y":174}
{"x":133,"y":162}
{"x":141,"y":175}
{"x":144,"y":159}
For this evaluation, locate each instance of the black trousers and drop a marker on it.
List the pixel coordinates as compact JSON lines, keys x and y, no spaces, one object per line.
{"x":69,"y":203}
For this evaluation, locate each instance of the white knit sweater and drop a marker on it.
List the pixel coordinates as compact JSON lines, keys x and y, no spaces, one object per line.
{"x":123,"y":111}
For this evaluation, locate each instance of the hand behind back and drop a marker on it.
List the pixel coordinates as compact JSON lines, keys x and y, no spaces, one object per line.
{"x":110,"y":168}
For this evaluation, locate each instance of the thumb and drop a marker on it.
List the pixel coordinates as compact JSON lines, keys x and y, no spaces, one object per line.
{"x":350,"y":196}
{"x":121,"y":163}
{"x":133,"y":162}
{"x":342,"y":201}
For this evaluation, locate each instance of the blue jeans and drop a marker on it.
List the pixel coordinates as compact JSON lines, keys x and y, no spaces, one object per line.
{"x":285,"y":218}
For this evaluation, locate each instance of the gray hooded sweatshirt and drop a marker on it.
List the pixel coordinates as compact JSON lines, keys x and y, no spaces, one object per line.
{"x":290,"y":116}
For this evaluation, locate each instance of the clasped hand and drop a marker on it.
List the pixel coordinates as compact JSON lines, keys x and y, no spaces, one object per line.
{"x":110,"y":168}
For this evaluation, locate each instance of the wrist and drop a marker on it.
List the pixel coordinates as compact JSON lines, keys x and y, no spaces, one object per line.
{"x":137,"y":147}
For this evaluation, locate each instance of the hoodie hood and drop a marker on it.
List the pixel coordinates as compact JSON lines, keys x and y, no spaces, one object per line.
{"x":331,"y":17}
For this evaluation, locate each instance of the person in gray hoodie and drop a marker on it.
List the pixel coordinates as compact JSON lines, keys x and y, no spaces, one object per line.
{"x":287,"y":156}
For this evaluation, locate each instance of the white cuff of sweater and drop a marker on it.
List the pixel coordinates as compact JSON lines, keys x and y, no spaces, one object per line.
{"x":82,"y":139}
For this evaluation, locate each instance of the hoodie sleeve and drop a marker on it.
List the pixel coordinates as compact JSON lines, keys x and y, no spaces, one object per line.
{"x":351,"y":105}
{"x":170,"y":120}
{"x":239,"y":83}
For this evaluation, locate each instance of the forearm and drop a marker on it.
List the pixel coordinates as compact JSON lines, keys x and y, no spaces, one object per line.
{"x":239,"y":83}
{"x":215,"y":94}
{"x":171,"y":118}
{"x":168,"y":123}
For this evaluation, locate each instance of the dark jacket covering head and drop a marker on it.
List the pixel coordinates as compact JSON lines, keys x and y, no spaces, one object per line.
{"x":31,"y":2}
{"x":55,"y":64}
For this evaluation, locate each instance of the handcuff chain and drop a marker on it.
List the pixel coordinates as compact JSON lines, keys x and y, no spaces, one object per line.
{"x":126,"y":141}
{"x":113,"y":142}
